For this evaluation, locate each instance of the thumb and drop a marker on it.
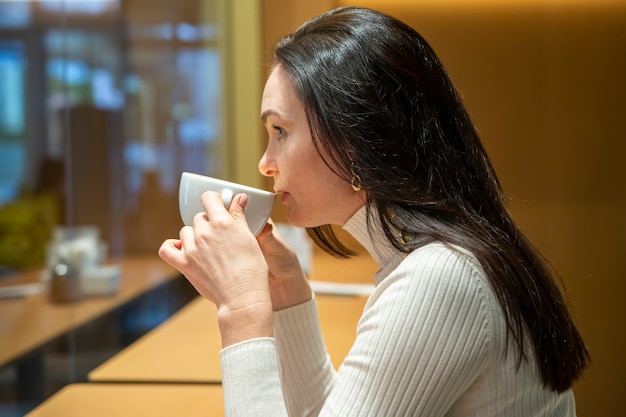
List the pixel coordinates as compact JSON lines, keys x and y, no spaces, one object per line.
{"x":271,"y":241}
{"x":237,"y":207}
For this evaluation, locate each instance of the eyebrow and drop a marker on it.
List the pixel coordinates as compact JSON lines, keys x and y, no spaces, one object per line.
{"x":268,"y":113}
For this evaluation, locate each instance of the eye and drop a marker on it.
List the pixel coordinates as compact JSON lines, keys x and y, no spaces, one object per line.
{"x":279,"y":130}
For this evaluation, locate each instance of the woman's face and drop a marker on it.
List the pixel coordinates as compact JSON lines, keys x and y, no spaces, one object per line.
{"x":314,"y":195}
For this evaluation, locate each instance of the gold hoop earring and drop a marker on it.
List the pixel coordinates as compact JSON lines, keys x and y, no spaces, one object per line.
{"x":355,"y":181}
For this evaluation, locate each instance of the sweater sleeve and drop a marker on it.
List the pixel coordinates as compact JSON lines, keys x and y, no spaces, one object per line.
{"x":250,"y":380}
{"x":424,"y":337}
{"x":252,"y":376}
{"x":307,"y":373}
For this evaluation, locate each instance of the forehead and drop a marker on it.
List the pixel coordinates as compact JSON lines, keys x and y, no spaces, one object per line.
{"x":279,"y":96}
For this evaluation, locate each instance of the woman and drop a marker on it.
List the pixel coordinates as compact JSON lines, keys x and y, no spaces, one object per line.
{"x":367,"y":132}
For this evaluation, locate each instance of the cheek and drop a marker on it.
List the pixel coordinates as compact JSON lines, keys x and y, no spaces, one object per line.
{"x":319,"y":176}
{"x":303,"y":163}
{"x":327,"y":199}
{"x":320,"y":196}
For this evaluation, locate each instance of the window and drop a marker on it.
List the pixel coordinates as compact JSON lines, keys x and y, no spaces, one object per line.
{"x":102,"y":105}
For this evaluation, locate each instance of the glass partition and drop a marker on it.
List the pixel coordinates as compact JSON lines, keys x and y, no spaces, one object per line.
{"x":103,"y":103}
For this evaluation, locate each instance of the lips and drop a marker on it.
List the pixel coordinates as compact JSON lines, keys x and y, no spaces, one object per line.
{"x":281,"y":193}
{"x":284,"y":196}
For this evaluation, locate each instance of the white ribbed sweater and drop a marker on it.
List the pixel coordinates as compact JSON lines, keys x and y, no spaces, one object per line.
{"x":430,"y":342}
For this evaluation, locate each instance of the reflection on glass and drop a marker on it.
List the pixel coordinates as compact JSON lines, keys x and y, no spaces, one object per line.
{"x":93,"y":7}
{"x":12,"y":123}
{"x":14,"y":14}
{"x":101,"y":108}
{"x":152,"y":81}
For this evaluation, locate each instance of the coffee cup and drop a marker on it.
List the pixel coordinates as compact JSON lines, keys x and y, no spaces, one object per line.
{"x":192,"y":186}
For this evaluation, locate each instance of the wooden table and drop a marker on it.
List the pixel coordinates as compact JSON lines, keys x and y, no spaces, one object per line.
{"x":29,"y":322}
{"x":185,"y":349}
{"x":137,"y":400}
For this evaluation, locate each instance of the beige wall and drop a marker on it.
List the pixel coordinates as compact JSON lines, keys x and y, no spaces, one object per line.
{"x":545,"y":83}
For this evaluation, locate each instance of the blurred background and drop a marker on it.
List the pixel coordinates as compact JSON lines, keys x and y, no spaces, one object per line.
{"x":103,"y":103}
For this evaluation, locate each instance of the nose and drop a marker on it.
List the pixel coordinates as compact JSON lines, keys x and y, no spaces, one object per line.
{"x":267,"y":164}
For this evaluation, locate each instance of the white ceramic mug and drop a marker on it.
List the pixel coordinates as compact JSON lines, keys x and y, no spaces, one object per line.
{"x":257,"y":211}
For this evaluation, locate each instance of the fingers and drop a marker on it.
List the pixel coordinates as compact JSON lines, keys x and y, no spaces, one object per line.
{"x":267,"y":235}
{"x":237,"y":207}
{"x":270,"y":239}
{"x":216,"y":212}
{"x":267,"y":230}
{"x":213,"y":205}
{"x":171,"y":252}
{"x":204,"y":253}
{"x":171,"y":244}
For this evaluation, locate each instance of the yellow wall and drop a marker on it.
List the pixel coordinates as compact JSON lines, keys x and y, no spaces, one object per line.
{"x":242,"y":51}
{"x":545,"y":83}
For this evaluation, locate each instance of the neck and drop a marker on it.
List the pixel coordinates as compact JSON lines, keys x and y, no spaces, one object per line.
{"x":371,"y":236}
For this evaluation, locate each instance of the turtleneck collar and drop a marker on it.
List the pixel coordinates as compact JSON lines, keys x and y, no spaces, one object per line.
{"x":373,"y":239}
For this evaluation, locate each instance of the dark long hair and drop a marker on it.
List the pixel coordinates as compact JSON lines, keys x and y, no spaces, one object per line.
{"x":380,"y":104}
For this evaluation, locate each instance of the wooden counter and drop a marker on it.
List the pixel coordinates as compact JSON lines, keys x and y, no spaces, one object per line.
{"x":186,"y":347}
{"x":137,"y":400}
{"x":29,"y":322}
